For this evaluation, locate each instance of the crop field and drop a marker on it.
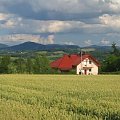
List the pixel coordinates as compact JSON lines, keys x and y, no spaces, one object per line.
{"x":59,"y":97}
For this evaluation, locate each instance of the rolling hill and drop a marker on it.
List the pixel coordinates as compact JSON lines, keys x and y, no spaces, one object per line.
{"x":3,"y":46}
{"x":32,"y":46}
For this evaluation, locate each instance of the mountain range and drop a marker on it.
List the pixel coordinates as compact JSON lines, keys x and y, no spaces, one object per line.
{"x":32,"y":46}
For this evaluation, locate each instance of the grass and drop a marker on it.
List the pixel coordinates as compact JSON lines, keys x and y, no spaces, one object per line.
{"x":59,"y":97}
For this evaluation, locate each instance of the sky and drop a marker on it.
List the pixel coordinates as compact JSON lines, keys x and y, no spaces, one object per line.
{"x":72,"y":22}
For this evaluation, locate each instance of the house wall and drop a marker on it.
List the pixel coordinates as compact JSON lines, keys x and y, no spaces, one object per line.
{"x":85,"y":65}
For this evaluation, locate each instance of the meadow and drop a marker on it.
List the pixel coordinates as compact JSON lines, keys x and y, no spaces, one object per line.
{"x":59,"y":97}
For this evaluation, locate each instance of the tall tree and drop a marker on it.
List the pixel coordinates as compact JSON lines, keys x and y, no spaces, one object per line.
{"x":4,"y":64}
{"x":20,"y":65}
{"x":29,"y":65}
{"x":41,"y":65}
{"x":115,"y":50}
{"x":112,"y":61}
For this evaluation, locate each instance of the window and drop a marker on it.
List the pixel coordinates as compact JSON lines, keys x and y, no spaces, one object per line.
{"x":90,"y":70}
{"x":90,"y":62}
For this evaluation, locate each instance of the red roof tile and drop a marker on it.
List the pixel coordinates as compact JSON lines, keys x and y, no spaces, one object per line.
{"x":66,"y":63}
{"x":55,"y":64}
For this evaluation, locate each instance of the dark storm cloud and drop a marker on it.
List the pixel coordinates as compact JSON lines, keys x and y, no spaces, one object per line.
{"x":25,"y":10}
{"x":59,"y":10}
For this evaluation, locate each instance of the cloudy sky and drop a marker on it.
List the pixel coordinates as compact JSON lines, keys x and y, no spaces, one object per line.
{"x":79,"y":22}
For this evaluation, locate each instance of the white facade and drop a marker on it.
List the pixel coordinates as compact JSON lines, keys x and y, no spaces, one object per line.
{"x":87,"y":67}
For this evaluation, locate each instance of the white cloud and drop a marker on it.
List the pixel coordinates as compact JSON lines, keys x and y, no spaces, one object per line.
{"x":109,"y":20}
{"x":50,"y":39}
{"x":3,"y":16}
{"x":27,"y":37}
{"x":58,"y":26}
{"x":69,"y":43}
{"x":53,"y":26}
{"x":112,"y":5}
{"x":105,"y":41}
{"x":10,"y":21}
{"x":18,"y":25}
{"x":112,"y":22}
{"x":88,"y":42}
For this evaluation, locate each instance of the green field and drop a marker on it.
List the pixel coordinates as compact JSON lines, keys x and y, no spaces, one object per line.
{"x":59,"y":97}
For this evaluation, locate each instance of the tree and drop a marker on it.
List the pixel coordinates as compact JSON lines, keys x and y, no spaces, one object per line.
{"x":20,"y":65}
{"x":29,"y":65}
{"x":41,"y":65}
{"x":112,"y":61}
{"x":4,"y":64}
{"x":115,"y":51}
{"x":111,"y":64}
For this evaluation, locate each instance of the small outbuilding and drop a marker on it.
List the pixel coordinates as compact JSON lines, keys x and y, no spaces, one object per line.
{"x":85,"y":64}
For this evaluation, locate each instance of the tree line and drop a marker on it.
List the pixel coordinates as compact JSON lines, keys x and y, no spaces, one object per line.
{"x":37,"y":65}
{"x":112,"y":61}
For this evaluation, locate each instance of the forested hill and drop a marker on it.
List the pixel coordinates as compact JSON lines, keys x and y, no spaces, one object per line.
{"x":30,"y":46}
{"x":3,"y":46}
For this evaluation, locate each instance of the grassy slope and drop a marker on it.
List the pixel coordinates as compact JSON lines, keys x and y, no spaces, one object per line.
{"x":58,"y":97}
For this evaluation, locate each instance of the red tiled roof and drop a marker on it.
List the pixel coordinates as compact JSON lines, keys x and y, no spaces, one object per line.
{"x":74,"y":58}
{"x":55,"y":64}
{"x":64,"y":63}
{"x":68,"y":61}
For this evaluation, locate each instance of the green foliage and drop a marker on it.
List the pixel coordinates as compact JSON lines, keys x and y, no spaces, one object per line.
{"x":37,"y":65}
{"x":4,"y":64}
{"x":29,"y":65}
{"x":112,"y":61}
{"x":111,"y":64}
{"x":41,"y":65}
{"x":20,"y":65}
{"x":59,"y":97}
{"x":115,"y":51}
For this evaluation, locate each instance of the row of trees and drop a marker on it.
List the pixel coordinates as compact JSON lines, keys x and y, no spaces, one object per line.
{"x":37,"y":65}
{"x":112,"y":61}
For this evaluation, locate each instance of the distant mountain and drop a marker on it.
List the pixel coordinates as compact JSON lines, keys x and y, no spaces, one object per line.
{"x":58,"y":46}
{"x":26,"y":46}
{"x":31,"y":46}
{"x":3,"y":46}
{"x":98,"y":48}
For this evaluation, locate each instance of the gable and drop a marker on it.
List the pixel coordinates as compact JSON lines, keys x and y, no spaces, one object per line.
{"x":88,"y":62}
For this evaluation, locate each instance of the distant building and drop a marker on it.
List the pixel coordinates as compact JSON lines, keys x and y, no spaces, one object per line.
{"x":84,"y":64}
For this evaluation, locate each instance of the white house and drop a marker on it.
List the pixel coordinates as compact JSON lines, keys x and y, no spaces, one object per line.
{"x":87,"y":67}
{"x":84,"y":64}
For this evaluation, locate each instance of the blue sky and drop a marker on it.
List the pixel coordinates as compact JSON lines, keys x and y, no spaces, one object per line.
{"x":79,"y":22}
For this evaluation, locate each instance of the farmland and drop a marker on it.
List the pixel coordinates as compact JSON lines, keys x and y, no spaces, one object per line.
{"x":59,"y":97}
